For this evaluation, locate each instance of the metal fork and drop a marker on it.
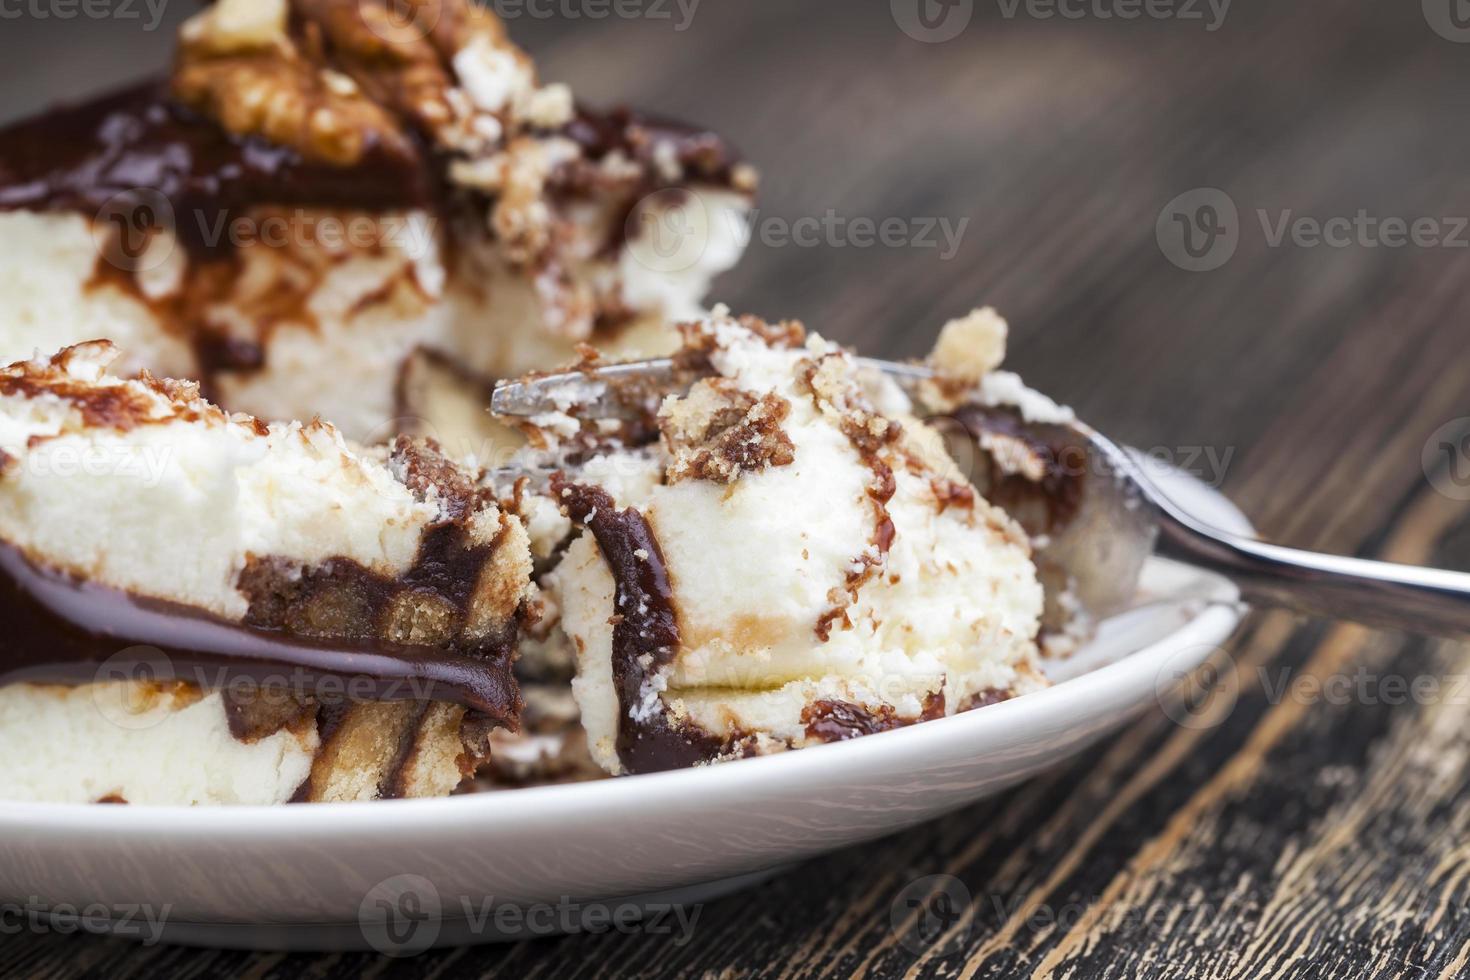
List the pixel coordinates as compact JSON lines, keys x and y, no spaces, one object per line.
{"x":1124,"y":519}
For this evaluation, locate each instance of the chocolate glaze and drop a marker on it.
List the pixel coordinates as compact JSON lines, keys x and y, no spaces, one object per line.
{"x":140,"y":144}
{"x":985,"y":698}
{"x":341,"y":597}
{"x":703,"y":157}
{"x":700,"y":152}
{"x":219,"y":354}
{"x":1060,"y":491}
{"x":138,"y":140}
{"x":61,"y":630}
{"x":838,"y":721}
{"x":645,"y":631}
{"x":254,"y":714}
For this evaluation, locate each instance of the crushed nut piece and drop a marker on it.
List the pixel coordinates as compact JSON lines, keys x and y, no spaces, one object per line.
{"x":719,"y":431}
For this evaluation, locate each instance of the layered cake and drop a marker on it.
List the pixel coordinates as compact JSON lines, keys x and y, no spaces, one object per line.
{"x":204,"y":608}
{"x":791,"y":558}
{"x":778,"y":553}
{"x":319,"y":570}
{"x":325,"y":196}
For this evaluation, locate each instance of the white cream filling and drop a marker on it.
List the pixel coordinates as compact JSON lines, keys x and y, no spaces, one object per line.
{"x":175,"y":507}
{"x":84,"y":744}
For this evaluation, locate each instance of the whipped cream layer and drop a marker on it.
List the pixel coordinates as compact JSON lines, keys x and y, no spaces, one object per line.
{"x":141,"y":485}
{"x":140,"y":744}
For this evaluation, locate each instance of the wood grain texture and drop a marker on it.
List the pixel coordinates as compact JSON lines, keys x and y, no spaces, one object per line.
{"x":1302,"y":834}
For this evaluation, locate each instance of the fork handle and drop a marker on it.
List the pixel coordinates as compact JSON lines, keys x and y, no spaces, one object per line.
{"x":1431,"y":601}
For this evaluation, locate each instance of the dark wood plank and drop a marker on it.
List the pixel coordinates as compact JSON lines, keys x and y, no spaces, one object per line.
{"x":1295,"y":836}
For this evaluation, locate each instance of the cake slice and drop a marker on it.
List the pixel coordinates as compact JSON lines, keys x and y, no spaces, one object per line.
{"x":320,"y":189}
{"x":788,"y":558}
{"x":203,"y":608}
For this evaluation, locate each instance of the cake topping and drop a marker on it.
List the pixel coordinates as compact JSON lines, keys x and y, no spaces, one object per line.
{"x":329,"y":78}
{"x":719,"y":431}
{"x":347,"y":102}
{"x":349,"y":181}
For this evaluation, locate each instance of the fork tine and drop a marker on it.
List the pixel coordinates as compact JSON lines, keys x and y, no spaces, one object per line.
{"x":907,"y":375}
{"x":601,"y":392}
{"x":595,"y":392}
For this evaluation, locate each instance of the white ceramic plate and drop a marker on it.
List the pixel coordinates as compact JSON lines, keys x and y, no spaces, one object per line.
{"x":404,"y":875}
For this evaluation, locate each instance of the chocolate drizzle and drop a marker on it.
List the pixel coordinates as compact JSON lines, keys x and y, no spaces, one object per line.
{"x":869,"y":434}
{"x":139,"y":163}
{"x":837,"y":721}
{"x":140,"y":144}
{"x":703,"y":155}
{"x":62,"y":630}
{"x":645,"y":631}
{"x":127,"y":149}
{"x":1044,"y":506}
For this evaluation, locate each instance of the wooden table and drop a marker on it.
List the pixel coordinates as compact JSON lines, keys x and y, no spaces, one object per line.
{"x":1293,"y":828}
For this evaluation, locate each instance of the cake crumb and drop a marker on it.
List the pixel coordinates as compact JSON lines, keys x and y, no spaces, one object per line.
{"x":720,"y":431}
{"x":971,"y":347}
